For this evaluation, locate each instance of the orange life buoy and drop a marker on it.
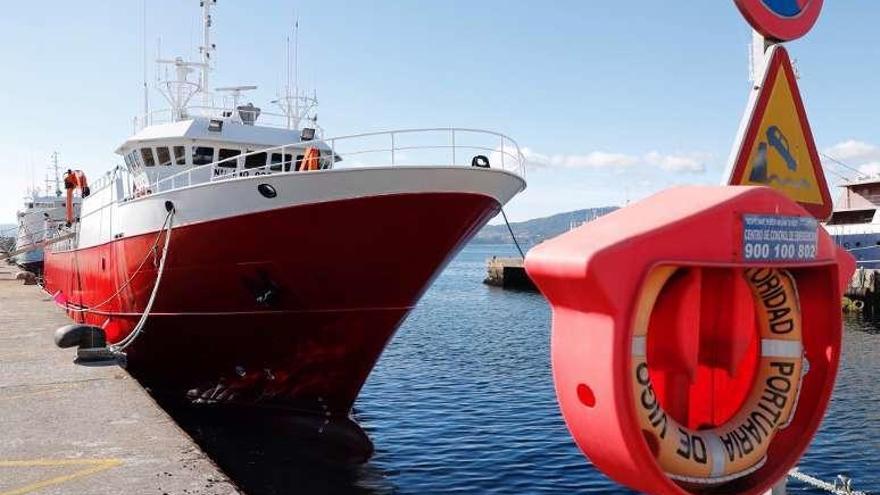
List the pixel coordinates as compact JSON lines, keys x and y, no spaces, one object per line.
{"x":739,"y":446}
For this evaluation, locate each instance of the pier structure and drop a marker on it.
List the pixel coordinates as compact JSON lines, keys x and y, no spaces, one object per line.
{"x":863,"y":292}
{"x":70,"y":429}
{"x":508,"y":273}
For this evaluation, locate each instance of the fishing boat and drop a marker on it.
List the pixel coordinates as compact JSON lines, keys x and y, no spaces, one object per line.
{"x":43,"y":213}
{"x":240,"y":257}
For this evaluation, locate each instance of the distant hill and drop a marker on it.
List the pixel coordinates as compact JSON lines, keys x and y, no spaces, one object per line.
{"x":533,"y":231}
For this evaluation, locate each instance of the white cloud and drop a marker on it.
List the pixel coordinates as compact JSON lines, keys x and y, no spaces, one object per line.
{"x":678,"y":163}
{"x":872,"y":168}
{"x":858,"y":152}
{"x":846,"y":157}
{"x":684,"y":163}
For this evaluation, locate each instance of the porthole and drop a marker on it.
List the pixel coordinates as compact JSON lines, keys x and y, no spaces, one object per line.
{"x":267,"y":191}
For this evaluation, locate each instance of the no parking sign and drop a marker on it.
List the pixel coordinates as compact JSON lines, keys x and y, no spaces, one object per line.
{"x":782,"y":20}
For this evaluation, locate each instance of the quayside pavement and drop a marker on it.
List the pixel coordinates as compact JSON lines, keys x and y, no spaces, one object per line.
{"x":68,"y":429}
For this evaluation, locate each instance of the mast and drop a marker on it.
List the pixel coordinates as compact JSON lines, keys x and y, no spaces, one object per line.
{"x":180,"y":90}
{"x":298,"y":107}
{"x":207,"y":49}
{"x":146,"y":121}
{"x":57,"y":170}
{"x":296,"y":59}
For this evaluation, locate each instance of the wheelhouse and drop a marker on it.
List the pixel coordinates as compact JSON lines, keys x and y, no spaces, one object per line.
{"x":228,"y":147}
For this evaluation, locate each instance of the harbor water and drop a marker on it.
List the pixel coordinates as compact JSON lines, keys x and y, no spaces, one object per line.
{"x":462,"y":401}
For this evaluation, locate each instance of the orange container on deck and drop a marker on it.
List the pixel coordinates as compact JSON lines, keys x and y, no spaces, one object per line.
{"x":696,"y":337}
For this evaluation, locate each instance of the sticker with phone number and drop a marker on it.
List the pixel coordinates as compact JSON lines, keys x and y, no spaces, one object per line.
{"x":779,"y":238}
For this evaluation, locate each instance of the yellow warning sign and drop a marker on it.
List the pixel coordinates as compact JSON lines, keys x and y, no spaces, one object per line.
{"x":777,"y":147}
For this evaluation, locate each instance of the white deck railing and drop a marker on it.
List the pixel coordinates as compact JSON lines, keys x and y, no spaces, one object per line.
{"x":261,"y":118}
{"x":399,"y":148}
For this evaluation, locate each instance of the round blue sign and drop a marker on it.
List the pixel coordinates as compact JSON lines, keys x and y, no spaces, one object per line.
{"x":786,"y":8}
{"x":781,"y":20}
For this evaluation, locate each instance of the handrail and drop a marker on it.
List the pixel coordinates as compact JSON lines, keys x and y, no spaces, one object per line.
{"x":264,"y":118}
{"x":506,"y":150}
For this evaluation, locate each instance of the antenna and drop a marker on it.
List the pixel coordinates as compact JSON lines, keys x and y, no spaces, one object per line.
{"x":57,"y":170}
{"x":179,"y":91}
{"x":296,"y":55}
{"x":31,"y":167}
{"x":146,"y":88}
{"x":207,"y":48}
{"x":296,"y":106}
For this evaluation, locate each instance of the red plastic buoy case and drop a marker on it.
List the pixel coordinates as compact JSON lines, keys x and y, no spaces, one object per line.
{"x":669,"y":324}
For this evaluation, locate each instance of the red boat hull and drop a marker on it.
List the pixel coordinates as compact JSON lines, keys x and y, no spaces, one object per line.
{"x":289,"y":307}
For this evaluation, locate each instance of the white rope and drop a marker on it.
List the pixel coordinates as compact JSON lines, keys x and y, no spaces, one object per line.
{"x":127,"y":341}
{"x":841,"y":486}
{"x":78,"y":309}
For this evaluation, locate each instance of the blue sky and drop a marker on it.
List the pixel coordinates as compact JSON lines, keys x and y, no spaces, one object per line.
{"x":611,"y":100}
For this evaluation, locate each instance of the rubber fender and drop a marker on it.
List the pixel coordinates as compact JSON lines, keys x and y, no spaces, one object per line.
{"x":77,"y":335}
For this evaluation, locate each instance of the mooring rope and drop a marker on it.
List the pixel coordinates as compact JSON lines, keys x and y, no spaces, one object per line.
{"x":131,"y":337}
{"x":841,"y":486}
{"x":512,"y":236}
{"x":151,"y":251}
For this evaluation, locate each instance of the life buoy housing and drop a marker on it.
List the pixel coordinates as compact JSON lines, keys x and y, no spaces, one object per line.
{"x":311,"y":160}
{"x":738,"y":447}
{"x":74,"y":179}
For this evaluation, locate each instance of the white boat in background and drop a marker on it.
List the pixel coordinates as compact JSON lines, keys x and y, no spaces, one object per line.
{"x":43,"y":214}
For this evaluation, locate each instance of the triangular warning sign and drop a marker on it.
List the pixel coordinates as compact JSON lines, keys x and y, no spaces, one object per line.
{"x":775,"y":147}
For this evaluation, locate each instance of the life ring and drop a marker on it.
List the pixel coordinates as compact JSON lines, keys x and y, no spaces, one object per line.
{"x":738,"y":447}
{"x":858,"y":304}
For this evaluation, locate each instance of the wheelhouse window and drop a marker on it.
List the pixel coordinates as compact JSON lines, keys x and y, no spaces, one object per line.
{"x":164,"y":155}
{"x":255,"y":161}
{"x":147,"y":155}
{"x":136,"y":160}
{"x":180,"y":155}
{"x":202,"y":155}
{"x":226,"y":158}
{"x":279,"y":161}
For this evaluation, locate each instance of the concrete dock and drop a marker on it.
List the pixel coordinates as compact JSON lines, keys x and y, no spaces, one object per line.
{"x":508,"y":273}
{"x":863,"y":292}
{"x":68,"y":429}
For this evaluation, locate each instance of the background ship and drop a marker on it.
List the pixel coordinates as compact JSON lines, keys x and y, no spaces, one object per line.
{"x":855,"y":223}
{"x":239,"y":257}
{"x":43,"y":213}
